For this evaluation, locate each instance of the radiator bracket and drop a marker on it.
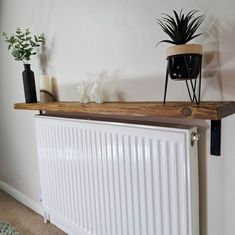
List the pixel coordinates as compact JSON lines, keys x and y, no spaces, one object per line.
{"x":215,"y":137}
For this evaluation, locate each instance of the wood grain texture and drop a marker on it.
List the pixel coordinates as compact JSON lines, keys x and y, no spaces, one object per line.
{"x":211,"y":110}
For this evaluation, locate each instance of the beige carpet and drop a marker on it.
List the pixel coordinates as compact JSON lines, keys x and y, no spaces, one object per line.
{"x":24,"y":219}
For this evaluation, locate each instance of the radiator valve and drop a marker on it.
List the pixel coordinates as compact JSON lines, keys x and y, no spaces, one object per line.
{"x":195,"y":137}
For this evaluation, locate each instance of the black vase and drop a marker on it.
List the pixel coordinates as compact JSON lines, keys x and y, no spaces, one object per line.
{"x":29,"y":85}
{"x":183,"y":67}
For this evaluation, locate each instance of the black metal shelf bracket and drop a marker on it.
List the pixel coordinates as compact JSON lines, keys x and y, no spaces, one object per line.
{"x":215,"y":137}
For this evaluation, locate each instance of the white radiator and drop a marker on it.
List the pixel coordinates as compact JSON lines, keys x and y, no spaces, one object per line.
{"x":105,"y":178}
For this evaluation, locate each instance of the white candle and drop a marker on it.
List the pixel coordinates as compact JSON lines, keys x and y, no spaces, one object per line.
{"x":46,"y":83}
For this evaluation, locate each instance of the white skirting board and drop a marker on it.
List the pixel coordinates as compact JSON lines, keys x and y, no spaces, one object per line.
{"x":33,"y":205}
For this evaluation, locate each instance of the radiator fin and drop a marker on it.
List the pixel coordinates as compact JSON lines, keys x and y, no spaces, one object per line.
{"x":108,"y":179}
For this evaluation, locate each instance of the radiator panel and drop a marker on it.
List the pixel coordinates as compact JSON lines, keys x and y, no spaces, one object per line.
{"x":117,"y":179}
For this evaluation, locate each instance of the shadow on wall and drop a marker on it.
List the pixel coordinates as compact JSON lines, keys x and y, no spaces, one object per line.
{"x":45,"y":57}
{"x":211,"y":59}
{"x":1,"y":20}
{"x":216,"y":72}
{"x":202,"y":164}
{"x":151,"y":88}
{"x":228,"y":84}
{"x":119,"y":87}
{"x":144,"y":88}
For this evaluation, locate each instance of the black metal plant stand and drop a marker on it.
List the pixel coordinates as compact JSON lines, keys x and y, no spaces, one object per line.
{"x":193,"y":82}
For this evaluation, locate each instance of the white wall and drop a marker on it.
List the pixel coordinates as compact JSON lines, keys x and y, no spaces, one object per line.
{"x":115,"y":39}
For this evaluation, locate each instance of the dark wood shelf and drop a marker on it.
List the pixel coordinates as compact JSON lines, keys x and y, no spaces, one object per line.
{"x":211,"y":110}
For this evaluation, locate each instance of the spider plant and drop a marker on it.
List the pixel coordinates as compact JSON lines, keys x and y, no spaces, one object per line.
{"x":180,"y":27}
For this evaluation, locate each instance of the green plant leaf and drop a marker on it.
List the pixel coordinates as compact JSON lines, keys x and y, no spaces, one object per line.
{"x":22,"y":43}
{"x":167,"y":41}
{"x":18,"y":31}
{"x":180,"y":27}
{"x":12,"y":40}
{"x":25,"y":45}
{"x":15,"y":53}
{"x":33,"y":44}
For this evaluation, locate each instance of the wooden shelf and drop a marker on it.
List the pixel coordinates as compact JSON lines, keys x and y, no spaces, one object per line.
{"x":213,"y":111}
{"x":206,"y":110}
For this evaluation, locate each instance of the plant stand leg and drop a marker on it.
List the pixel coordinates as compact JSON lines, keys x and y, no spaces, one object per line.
{"x":199,"y":86}
{"x":190,"y":96}
{"x":194,"y":86}
{"x":166,"y":83}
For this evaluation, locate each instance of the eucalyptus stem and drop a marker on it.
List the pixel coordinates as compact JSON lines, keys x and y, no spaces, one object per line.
{"x":23,"y":44}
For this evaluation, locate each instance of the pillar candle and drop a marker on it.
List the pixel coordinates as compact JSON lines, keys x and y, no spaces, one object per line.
{"x":46,"y":89}
{"x":46,"y":83}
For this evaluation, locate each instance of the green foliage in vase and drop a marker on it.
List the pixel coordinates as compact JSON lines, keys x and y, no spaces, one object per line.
{"x":23,"y":44}
{"x":180,"y":27}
